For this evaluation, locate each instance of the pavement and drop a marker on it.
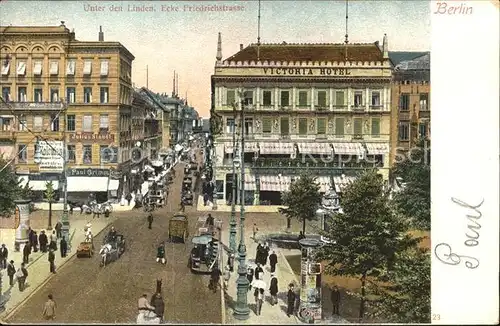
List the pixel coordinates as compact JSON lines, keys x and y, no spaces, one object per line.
{"x":269,"y":314}
{"x":227,"y":208}
{"x":38,"y":266}
{"x":59,"y":207}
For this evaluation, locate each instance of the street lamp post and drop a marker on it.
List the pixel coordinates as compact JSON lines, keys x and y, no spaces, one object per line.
{"x":241,"y":311}
{"x":232,"y":221}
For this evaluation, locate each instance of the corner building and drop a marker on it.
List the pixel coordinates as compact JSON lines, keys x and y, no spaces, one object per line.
{"x":42,"y":66}
{"x":322,"y":107}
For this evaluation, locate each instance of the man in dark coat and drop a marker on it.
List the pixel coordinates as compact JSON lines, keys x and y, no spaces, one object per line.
{"x":63,"y":245}
{"x":335,"y":297}
{"x":31,"y":234}
{"x":273,"y":290}
{"x":52,"y":260}
{"x":214,"y":278}
{"x":258,"y":254}
{"x":11,"y":271}
{"x":4,"y":255}
{"x":273,"y":260}
{"x":42,"y":239}
{"x":35,"y":241}
{"x":265,"y":254}
{"x":258,"y":271}
{"x":22,"y":275}
{"x":26,"y":253}
{"x":58,"y":228}
{"x":160,"y":254}
{"x":150,"y":220}
{"x":290,"y":300}
{"x":158,"y":304}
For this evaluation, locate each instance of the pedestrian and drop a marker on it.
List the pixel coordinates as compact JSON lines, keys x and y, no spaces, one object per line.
{"x":290,"y":300}
{"x":227,"y":276}
{"x":49,"y":309}
{"x":335,"y":297}
{"x":4,"y":255}
{"x":260,"y":300}
{"x":58,"y":228}
{"x":265,"y":254}
{"x":30,"y":236}
{"x":22,"y":275}
{"x":214,"y":278}
{"x":230,"y":262}
{"x":35,"y":241}
{"x":273,"y":260}
{"x":11,"y":271}
{"x":259,"y":271}
{"x":250,"y":273}
{"x":160,"y":254}
{"x":150,"y":220}
{"x":26,"y":253}
{"x":53,"y":241}
{"x":52,"y":259}
{"x":128,"y":197}
{"x":143,"y":304}
{"x":255,"y":229}
{"x":258,"y":253}
{"x":273,"y":289}
{"x":63,"y":245}
{"x":42,"y":239}
{"x":158,"y":304}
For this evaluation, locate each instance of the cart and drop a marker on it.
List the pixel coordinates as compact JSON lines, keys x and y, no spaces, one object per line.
{"x":178,"y":228}
{"x":187,"y":183}
{"x":85,"y":249}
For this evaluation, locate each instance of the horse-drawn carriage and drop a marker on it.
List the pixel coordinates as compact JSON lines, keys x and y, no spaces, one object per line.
{"x":178,"y":228}
{"x":112,"y":249}
{"x":86,"y":248}
{"x":206,"y":251}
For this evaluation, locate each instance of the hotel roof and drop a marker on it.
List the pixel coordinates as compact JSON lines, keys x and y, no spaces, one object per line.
{"x":310,"y":52}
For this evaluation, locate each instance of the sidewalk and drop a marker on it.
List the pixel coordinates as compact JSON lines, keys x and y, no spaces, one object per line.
{"x":59,"y":207}
{"x":269,"y":314}
{"x":227,"y":208}
{"x":38,"y":266}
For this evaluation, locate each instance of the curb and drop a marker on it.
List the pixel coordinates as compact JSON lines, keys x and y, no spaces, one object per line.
{"x":297,"y":321}
{"x":71,"y":256}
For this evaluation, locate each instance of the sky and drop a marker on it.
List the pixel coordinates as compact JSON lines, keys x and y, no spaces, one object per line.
{"x":186,"y":41}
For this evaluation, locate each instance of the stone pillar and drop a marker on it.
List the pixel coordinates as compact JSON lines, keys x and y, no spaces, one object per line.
{"x":310,"y":286}
{"x":22,"y":217}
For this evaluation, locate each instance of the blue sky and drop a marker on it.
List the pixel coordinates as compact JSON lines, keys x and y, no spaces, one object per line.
{"x":186,"y":41}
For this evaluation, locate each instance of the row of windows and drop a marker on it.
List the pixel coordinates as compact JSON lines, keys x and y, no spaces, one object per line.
{"x":306,"y":126}
{"x":106,"y":155}
{"x":404,"y":102}
{"x":38,"y":123}
{"x":71,"y":95}
{"x":404,"y":131}
{"x":303,"y":98}
{"x":37,"y":68}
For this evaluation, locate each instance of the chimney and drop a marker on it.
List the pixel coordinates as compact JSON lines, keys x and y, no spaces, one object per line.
{"x":101,"y":34}
{"x":241,"y":47}
{"x":219,"y":49}
{"x":385,"y":47}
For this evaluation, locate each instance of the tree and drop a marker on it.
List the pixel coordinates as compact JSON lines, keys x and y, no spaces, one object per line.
{"x":49,"y":194}
{"x":413,"y":201}
{"x":302,"y":200}
{"x":405,"y":294}
{"x":366,"y":236}
{"x":9,"y":188}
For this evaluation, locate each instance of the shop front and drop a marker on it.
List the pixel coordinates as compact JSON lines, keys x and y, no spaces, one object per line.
{"x":86,"y":181}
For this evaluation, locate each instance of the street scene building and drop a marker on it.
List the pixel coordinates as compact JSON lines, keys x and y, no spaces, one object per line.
{"x":322,"y":106}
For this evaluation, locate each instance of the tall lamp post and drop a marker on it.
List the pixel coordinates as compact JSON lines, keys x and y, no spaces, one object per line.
{"x":232,"y":221}
{"x":241,"y":311}
{"x":64,"y":218}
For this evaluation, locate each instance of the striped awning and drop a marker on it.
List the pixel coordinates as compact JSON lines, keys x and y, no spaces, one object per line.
{"x":250,"y":182}
{"x":324,"y":183}
{"x":341,"y":182}
{"x":275,"y":183}
{"x":348,"y":148}
{"x":249,"y":147}
{"x":315,"y":148}
{"x":377,"y":148}
{"x":277,"y":148}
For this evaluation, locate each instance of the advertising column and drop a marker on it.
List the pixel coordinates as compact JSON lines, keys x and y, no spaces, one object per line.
{"x":22,"y":223}
{"x":310,"y":286}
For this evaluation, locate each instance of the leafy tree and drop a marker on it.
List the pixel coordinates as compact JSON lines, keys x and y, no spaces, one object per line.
{"x":302,"y":200}
{"x":367,"y":236}
{"x":413,"y":201}
{"x":405,"y":294}
{"x":9,"y":188}
{"x":50,"y":195}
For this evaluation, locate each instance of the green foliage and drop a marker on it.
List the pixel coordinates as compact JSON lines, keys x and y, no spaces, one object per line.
{"x":405,"y":297}
{"x":10,"y":189}
{"x":414,"y":200}
{"x":49,"y":192}
{"x":302,"y":200}
{"x":367,"y":235}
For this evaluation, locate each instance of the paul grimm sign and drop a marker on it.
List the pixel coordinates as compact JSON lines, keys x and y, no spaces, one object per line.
{"x":88,"y":173}
{"x":307,"y":71}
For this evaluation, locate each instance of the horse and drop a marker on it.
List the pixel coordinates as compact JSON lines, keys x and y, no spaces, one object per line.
{"x":104,"y":252}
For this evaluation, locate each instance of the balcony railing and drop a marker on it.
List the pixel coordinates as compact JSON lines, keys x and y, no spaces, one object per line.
{"x":307,"y":162}
{"x":340,"y":107}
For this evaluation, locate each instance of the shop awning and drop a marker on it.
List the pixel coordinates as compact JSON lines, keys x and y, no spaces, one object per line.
{"x":86,"y":184}
{"x":41,"y":185}
{"x":23,"y":180}
{"x":275,"y":183}
{"x":377,"y":148}
{"x":250,"y":147}
{"x":348,"y":148}
{"x":341,"y":182}
{"x":113,"y":184}
{"x":315,"y":148}
{"x":250,"y":182}
{"x":324,"y":183}
{"x":277,"y":148}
